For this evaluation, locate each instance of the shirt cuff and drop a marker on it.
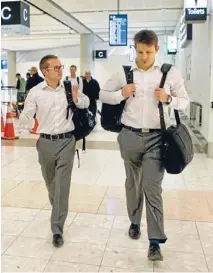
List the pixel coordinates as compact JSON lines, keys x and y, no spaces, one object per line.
{"x":83,"y":102}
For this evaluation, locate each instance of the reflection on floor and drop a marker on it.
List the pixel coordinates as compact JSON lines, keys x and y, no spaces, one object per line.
{"x":96,"y":229}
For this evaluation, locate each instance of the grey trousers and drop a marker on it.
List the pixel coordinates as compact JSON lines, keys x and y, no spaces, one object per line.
{"x":56,"y":160}
{"x":144,"y":174}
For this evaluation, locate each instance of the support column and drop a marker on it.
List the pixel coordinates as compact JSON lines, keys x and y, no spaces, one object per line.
{"x":11,"y":57}
{"x":86,"y":53}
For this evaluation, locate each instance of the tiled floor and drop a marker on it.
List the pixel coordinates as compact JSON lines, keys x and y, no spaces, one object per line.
{"x":96,"y":229}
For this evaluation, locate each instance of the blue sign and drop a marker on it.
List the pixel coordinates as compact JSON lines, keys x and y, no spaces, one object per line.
{"x":4,"y":64}
{"x":118,"y":30}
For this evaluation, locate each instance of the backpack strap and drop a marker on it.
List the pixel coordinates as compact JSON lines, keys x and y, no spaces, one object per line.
{"x":78,"y":80}
{"x":128,"y":73}
{"x":71,"y":104}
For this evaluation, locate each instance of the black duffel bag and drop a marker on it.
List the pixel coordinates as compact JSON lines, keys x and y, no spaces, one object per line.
{"x":111,"y":114}
{"x":84,"y":120}
{"x":177,"y":150}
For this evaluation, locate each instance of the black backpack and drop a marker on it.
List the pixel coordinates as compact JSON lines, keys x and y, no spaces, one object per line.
{"x":83,"y":119}
{"x":111,"y":114}
{"x":177,"y":150}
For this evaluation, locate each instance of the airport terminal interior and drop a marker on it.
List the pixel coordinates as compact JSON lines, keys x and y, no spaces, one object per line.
{"x":97,"y":36}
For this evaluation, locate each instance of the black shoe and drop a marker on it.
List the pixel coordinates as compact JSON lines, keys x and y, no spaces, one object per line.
{"x":154,"y":253}
{"x":134,"y":232}
{"x":58,"y":240}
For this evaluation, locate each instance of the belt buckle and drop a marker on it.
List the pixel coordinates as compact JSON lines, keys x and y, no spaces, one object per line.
{"x":51,"y":137}
{"x":145,"y":130}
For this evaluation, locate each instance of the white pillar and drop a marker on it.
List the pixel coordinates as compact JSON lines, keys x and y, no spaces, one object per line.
{"x":87,"y":47}
{"x":11,"y":57}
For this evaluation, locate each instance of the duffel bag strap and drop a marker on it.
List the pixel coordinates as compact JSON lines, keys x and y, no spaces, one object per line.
{"x":165,"y":69}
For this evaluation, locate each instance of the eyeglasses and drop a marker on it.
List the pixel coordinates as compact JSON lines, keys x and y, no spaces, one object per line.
{"x":56,"y":68}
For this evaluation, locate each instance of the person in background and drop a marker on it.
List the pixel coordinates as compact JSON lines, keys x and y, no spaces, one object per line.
{"x":75,"y":80}
{"x":27,"y":76}
{"x":56,"y":144}
{"x":91,"y":88}
{"x":20,"y":86}
{"x":33,"y":80}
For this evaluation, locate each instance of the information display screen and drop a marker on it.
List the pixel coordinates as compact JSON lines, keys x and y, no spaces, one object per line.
{"x":118,"y":29}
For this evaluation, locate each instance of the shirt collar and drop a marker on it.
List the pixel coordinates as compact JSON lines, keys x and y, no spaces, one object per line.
{"x":156,"y":64}
{"x":44,"y":85}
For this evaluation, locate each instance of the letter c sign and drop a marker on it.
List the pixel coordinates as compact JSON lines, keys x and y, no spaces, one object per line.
{"x":5,"y":13}
{"x":25,"y":14}
{"x":100,"y":54}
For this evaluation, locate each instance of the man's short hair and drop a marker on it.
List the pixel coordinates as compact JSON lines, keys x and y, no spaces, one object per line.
{"x":43,"y":63}
{"x":18,"y":75}
{"x":73,"y":66}
{"x":148,"y":37}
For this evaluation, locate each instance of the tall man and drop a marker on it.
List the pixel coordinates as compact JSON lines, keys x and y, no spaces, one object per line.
{"x":56,"y":145}
{"x":140,"y":139}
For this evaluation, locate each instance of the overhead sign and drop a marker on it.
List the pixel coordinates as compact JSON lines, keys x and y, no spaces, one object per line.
{"x":195,"y":11}
{"x":15,"y":18}
{"x":100,"y":54}
{"x":172,"y":45}
{"x":118,"y":30}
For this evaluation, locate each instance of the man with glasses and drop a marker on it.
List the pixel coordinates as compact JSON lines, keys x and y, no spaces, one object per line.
{"x":56,"y":144}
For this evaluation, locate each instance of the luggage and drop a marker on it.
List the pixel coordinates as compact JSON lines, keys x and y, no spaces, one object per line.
{"x":111,"y":114}
{"x":83,"y":119}
{"x":177,"y":150}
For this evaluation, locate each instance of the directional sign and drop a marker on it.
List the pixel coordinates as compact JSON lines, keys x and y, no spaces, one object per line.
{"x":100,"y":54}
{"x":195,"y":11}
{"x":15,"y":18}
{"x":118,"y":29}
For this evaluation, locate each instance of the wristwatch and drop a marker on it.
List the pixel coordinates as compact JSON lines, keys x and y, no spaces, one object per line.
{"x":169,"y":100}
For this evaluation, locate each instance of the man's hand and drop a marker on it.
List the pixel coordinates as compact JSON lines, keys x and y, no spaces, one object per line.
{"x":128,"y":90}
{"x":75,"y":93}
{"x":161,"y":95}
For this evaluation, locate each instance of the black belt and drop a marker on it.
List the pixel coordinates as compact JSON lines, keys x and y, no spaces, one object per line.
{"x":59,"y":136}
{"x":141,"y":130}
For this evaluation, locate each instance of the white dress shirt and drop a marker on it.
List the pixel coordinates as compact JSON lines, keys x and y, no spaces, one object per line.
{"x":142,"y":110}
{"x":50,"y":106}
{"x":74,"y":81}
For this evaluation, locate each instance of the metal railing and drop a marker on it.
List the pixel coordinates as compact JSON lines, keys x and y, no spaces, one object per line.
{"x":195,"y":114}
{"x":8,"y":93}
